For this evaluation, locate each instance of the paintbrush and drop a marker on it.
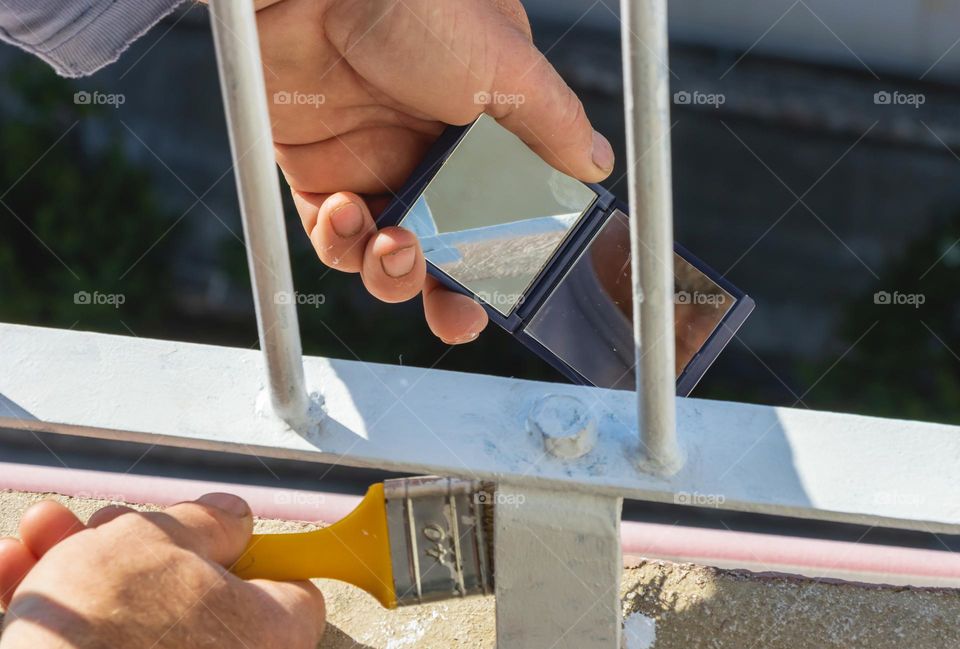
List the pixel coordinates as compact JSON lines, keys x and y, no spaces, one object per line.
{"x":409,"y":541}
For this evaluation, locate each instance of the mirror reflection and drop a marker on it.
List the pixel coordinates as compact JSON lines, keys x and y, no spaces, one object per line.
{"x":495,"y":213}
{"x":587,"y":319}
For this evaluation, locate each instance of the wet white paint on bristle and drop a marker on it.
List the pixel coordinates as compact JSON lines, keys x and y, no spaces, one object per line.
{"x":639,"y":632}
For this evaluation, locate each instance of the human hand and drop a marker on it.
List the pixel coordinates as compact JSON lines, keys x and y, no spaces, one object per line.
{"x":146,"y":580}
{"x":358,"y":91}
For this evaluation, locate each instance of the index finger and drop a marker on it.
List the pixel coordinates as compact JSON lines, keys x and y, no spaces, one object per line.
{"x":530,"y":98}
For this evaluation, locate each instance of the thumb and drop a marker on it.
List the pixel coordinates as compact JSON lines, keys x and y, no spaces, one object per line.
{"x":217,"y":526}
{"x":466,"y":59}
{"x":530,"y":98}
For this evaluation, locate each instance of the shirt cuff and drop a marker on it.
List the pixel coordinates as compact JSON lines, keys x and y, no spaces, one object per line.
{"x":104,"y":38}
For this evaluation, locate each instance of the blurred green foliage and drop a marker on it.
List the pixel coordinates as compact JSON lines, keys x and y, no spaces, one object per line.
{"x":76,"y":215}
{"x":904,"y":338}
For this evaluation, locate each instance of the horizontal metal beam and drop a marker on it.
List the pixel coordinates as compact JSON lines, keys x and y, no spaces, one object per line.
{"x":743,"y":457}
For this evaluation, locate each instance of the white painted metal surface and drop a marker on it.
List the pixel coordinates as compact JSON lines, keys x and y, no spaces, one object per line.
{"x":646,"y":97}
{"x":566,"y":425}
{"x":558,"y":563}
{"x":783,"y":461}
{"x":251,"y":142}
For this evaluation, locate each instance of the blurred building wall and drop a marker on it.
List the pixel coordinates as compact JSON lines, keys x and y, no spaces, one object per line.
{"x":903,"y":36}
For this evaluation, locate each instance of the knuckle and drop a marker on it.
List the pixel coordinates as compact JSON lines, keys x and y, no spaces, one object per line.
{"x":131,"y":522}
{"x":345,"y":258}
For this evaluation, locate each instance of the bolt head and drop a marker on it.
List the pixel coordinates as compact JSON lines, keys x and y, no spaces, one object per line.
{"x":565,"y":424}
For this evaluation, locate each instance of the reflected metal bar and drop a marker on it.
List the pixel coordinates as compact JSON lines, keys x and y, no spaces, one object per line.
{"x":248,"y":121}
{"x":646,"y":76}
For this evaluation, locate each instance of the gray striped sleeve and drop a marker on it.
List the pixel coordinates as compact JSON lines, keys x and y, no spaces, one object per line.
{"x":77,"y":37}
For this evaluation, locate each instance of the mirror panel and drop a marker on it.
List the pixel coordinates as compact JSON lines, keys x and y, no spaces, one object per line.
{"x":587,"y":320}
{"x":495,"y":213}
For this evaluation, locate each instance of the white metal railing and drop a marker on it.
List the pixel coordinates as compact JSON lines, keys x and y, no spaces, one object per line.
{"x":646,"y":97}
{"x":647,"y":108}
{"x":251,"y":143}
{"x":742,"y":457}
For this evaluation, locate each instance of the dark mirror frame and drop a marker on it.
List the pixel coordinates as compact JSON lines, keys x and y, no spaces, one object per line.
{"x":576,"y":241}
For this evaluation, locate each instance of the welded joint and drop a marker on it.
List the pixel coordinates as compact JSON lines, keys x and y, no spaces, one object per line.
{"x":306,"y":424}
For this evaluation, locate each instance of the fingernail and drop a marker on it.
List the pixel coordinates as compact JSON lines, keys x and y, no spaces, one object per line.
{"x":399,"y":262}
{"x":465,"y":338}
{"x":602,"y":152}
{"x":227,"y":502}
{"x":347,"y":220}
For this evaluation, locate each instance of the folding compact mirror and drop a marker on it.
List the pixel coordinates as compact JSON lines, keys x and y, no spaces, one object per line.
{"x":549,"y":258}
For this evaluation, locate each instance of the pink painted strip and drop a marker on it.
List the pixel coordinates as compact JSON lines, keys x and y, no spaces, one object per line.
{"x":711,"y":547}
{"x":773,"y":552}
{"x":266,"y":502}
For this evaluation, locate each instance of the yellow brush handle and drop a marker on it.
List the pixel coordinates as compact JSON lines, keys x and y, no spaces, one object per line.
{"x":356,"y":550}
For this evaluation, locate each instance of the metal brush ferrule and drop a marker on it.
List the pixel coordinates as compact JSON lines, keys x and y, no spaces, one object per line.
{"x":438,"y":538}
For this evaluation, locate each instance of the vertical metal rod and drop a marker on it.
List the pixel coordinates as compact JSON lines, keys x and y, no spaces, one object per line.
{"x":251,"y":143}
{"x":646,"y":76}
